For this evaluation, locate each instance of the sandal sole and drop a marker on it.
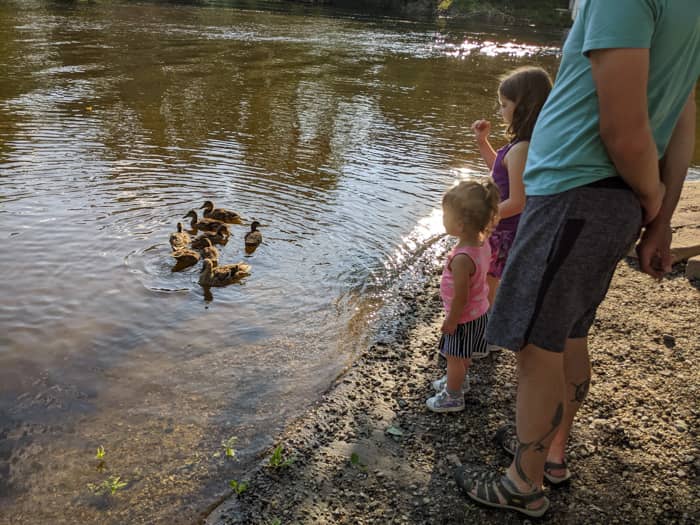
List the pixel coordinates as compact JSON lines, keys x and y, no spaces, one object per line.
{"x":533,"y":513}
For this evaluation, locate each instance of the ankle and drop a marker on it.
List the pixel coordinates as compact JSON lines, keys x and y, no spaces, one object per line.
{"x":522,"y":485}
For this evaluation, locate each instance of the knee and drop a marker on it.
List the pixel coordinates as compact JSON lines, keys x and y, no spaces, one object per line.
{"x":534,"y":361}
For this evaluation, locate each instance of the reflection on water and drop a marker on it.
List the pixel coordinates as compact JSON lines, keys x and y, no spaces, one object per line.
{"x":337,"y":134}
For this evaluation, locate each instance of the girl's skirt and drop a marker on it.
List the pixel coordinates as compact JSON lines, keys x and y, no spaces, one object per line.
{"x":466,"y":340}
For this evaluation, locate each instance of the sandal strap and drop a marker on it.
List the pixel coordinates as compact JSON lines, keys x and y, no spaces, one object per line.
{"x":513,"y":496}
{"x":490,"y":484}
{"x":550,"y":465}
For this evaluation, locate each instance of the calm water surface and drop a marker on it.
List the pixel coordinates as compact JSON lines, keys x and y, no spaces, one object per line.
{"x":337,"y":133}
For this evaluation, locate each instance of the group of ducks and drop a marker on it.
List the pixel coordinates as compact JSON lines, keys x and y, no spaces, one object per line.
{"x":188,"y":251}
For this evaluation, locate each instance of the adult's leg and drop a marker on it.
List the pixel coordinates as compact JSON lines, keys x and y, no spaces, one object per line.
{"x":577,"y":376}
{"x":539,"y":413}
{"x":493,"y":287}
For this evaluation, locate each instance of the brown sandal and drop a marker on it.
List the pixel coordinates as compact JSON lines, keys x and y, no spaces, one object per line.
{"x":489,"y":485}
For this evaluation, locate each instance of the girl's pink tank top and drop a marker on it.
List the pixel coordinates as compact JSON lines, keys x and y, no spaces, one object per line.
{"x":478,"y":302}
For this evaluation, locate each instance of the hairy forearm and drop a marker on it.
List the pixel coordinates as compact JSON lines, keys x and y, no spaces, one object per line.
{"x":678,"y":156}
{"x":634,"y":155}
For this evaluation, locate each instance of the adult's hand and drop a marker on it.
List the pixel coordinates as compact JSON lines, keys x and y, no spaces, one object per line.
{"x":654,"y":249}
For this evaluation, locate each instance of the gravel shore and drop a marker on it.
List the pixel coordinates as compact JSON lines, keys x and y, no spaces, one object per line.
{"x":370,"y":452}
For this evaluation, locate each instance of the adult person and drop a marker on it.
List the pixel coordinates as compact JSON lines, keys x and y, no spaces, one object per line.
{"x":608,"y":155}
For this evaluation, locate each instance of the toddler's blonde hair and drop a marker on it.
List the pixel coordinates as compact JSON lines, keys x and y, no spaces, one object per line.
{"x":475,"y":201}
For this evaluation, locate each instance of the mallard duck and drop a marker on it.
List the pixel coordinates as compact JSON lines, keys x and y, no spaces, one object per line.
{"x":208,"y":251}
{"x":253,"y":237}
{"x":185,"y":258}
{"x":179,"y":239}
{"x":221,"y":275}
{"x":204,"y":224}
{"x":219,"y":214}
{"x":218,"y":237}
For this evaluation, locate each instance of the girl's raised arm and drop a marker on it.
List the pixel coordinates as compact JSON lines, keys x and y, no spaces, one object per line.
{"x":481,"y":129}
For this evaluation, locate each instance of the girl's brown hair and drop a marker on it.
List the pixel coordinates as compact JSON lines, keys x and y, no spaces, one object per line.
{"x":528,"y":87}
{"x":475,"y":201}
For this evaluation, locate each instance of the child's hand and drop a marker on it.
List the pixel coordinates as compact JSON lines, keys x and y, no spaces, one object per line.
{"x":449,"y":327}
{"x":481,"y":129}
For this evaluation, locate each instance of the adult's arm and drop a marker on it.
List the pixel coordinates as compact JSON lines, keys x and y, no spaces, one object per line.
{"x":654,"y":249}
{"x":621,"y":76}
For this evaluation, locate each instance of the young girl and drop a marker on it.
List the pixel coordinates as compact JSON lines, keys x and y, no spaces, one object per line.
{"x":521,"y":95}
{"x":469,"y":211}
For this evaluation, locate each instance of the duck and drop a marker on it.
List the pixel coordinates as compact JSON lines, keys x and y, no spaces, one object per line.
{"x":203,"y":224}
{"x":185,"y":258}
{"x":208,"y":251}
{"x":221,"y":275}
{"x":220,"y":236}
{"x":179,"y":239}
{"x":253,"y":237}
{"x":219,"y":214}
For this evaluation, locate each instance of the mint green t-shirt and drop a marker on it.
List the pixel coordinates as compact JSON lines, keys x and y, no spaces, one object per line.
{"x":566,"y":150}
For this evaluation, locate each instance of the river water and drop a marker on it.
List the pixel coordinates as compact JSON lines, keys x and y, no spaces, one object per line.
{"x":337,"y":132}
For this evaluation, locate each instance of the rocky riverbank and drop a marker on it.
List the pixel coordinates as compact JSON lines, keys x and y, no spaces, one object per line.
{"x":370,"y":452}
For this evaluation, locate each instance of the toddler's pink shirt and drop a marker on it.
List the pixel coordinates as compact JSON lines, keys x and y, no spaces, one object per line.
{"x":478,"y":302}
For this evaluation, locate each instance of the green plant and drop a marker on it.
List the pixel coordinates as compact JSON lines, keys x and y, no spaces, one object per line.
{"x":239,"y":487}
{"x":355,"y":461}
{"x":229,"y":449}
{"x":111,"y":485}
{"x":100,"y":452}
{"x":276,"y":521}
{"x":277,"y":460}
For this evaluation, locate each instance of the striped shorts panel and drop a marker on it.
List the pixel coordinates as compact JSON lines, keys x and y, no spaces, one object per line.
{"x":467,"y":339}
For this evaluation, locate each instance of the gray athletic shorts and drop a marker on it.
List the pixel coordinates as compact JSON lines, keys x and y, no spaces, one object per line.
{"x":561,"y":263}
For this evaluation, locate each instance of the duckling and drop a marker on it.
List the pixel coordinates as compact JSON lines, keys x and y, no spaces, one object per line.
{"x":218,"y":237}
{"x":179,"y":239}
{"x":185,"y":258}
{"x":253,"y":237}
{"x":219,"y":214}
{"x":209,"y":225}
{"x":208,"y":251}
{"x":222,"y":275}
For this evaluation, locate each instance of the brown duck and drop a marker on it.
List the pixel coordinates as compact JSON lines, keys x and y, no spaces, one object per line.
{"x":185,"y":258}
{"x":253,"y":238}
{"x":180,"y":239}
{"x":219,"y":214}
{"x":210,"y":225}
{"x":222,"y":275}
{"x":218,"y":237}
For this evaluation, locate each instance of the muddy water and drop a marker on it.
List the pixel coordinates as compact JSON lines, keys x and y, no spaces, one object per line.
{"x":336,"y":132}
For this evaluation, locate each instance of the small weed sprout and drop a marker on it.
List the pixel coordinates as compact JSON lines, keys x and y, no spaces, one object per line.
{"x":276,"y":521}
{"x":239,"y":487}
{"x":229,"y":449}
{"x":277,"y":460}
{"x":100,"y":452}
{"x":355,"y":461}
{"x":111,"y":485}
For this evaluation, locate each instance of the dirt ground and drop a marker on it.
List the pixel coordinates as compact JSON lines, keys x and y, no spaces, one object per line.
{"x":370,"y":452}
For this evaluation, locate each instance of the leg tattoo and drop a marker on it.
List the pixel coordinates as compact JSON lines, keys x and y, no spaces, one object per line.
{"x":537,"y":445}
{"x":581,"y":391}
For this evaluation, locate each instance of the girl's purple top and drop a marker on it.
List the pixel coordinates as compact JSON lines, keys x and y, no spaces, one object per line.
{"x":499,"y":174}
